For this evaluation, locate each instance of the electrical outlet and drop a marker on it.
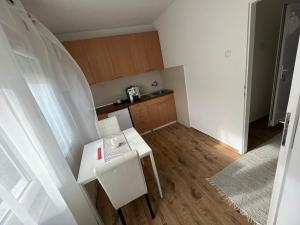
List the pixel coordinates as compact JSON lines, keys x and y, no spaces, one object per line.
{"x":227,"y":53}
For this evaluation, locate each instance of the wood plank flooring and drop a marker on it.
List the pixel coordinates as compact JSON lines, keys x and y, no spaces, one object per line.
{"x":184,"y":158}
{"x":259,"y":132}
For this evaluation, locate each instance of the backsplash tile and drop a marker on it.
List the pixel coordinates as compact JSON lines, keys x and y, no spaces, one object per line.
{"x":108,"y":92}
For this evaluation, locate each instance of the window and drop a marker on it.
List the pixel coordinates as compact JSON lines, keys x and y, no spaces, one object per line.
{"x":48,"y":102}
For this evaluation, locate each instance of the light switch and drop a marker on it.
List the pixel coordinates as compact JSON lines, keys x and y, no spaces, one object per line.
{"x":227,"y":53}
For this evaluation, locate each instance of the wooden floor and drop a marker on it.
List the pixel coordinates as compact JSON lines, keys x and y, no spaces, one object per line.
{"x":185,"y":158}
{"x":260,"y":132}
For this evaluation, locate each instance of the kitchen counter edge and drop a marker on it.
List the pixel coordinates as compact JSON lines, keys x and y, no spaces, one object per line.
{"x":112,"y":108}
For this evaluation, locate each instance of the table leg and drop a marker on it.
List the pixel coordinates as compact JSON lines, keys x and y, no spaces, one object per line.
{"x":91,"y":205}
{"x":156,"y":174}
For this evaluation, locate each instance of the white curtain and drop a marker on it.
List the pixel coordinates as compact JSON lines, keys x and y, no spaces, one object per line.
{"x":46,"y":116}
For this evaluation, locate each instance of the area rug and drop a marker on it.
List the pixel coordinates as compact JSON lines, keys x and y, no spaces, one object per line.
{"x":247,"y":183}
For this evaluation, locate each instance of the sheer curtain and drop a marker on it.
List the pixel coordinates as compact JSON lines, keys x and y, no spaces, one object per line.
{"x":47,"y":115}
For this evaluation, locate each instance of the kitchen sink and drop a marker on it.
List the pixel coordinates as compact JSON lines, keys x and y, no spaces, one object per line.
{"x":158,"y":93}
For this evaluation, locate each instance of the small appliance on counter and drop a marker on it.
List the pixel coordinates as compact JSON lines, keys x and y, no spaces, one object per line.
{"x":133,"y":93}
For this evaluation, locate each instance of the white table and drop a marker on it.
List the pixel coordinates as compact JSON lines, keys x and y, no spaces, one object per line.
{"x":89,"y":157}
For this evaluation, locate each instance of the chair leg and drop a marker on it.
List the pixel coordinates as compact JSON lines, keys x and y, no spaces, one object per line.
{"x":122,"y":217}
{"x":149,"y":206}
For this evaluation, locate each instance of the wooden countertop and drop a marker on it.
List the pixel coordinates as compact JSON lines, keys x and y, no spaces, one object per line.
{"x":113,"y":108}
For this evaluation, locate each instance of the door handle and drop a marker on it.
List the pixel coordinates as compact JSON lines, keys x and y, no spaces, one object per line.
{"x":286,"y":128}
{"x":282,"y":72}
{"x":282,"y":69}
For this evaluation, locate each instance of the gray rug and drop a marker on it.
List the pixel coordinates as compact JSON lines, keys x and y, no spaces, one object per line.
{"x":247,"y":183}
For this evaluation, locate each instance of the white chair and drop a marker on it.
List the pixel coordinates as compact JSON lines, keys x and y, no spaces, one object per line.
{"x":108,"y":126}
{"x":123,"y":181}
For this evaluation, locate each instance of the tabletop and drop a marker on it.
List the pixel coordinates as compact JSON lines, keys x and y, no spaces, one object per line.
{"x":89,"y":159}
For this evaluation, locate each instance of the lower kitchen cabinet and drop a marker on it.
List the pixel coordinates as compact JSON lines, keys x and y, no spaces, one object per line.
{"x":140,"y":117}
{"x":154,"y":113}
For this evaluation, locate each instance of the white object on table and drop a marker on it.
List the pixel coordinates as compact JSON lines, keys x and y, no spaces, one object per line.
{"x":89,"y":160}
{"x":115,"y":146}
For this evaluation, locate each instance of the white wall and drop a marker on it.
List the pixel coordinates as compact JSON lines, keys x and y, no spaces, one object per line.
{"x":268,"y":18}
{"x":196,"y":34}
{"x":109,"y":91}
{"x":174,"y":79}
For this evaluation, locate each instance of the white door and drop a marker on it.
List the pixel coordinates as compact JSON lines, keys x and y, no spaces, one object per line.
{"x":289,"y":207}
{"x":33,"y":184}
{"x":285,"y":202}
{"x":23,"y":200}
{"x":285,"y":63}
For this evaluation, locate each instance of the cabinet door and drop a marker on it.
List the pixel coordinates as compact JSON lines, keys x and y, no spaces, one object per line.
{"x":138,"y":52}
{"x":140,"y":117}
{"x":162,"y":111}
{"x":119,"y":48}
{"x":167,"y":110}
{"x":79,"y":53}
{"x":146,"y":52}
{"x":100,"y":59}
{"x":153,"y":51}
{"x":154,"y":115}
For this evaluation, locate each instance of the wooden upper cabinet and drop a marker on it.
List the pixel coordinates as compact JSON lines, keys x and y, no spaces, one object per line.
{"x":108,"y":58}
{"x":146,"y":51}
{"x":139,"y":52}
{"x":100,"y":60}
{"x":153,"y":51}
{"x":77,"y":51}
{"x":119,"y":48}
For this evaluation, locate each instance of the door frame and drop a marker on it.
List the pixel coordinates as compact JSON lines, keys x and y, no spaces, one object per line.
{"x":249,"y":71}
{"x":249,"y":68}
{"x":293,"y":107}
{"x":281,"y":42}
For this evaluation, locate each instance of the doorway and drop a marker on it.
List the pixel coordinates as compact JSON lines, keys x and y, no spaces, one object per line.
{"x":266,"y":75}
{"x":277,"y":30}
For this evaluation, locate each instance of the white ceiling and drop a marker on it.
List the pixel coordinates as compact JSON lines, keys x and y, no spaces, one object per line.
{"x":65,"y":16}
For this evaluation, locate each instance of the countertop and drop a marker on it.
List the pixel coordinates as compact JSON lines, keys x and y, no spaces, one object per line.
{"x":112,"y":108}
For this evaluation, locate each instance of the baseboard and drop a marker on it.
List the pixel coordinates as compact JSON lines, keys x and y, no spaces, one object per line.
{"x":158,"y":128}
{"x":147,"y":132}
{"x":166,"y":125}
{"x":219,"y":142}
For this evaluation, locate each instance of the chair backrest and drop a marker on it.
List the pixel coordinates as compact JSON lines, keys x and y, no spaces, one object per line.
{"x":122,"y":179}
{"x":108,"y":126}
